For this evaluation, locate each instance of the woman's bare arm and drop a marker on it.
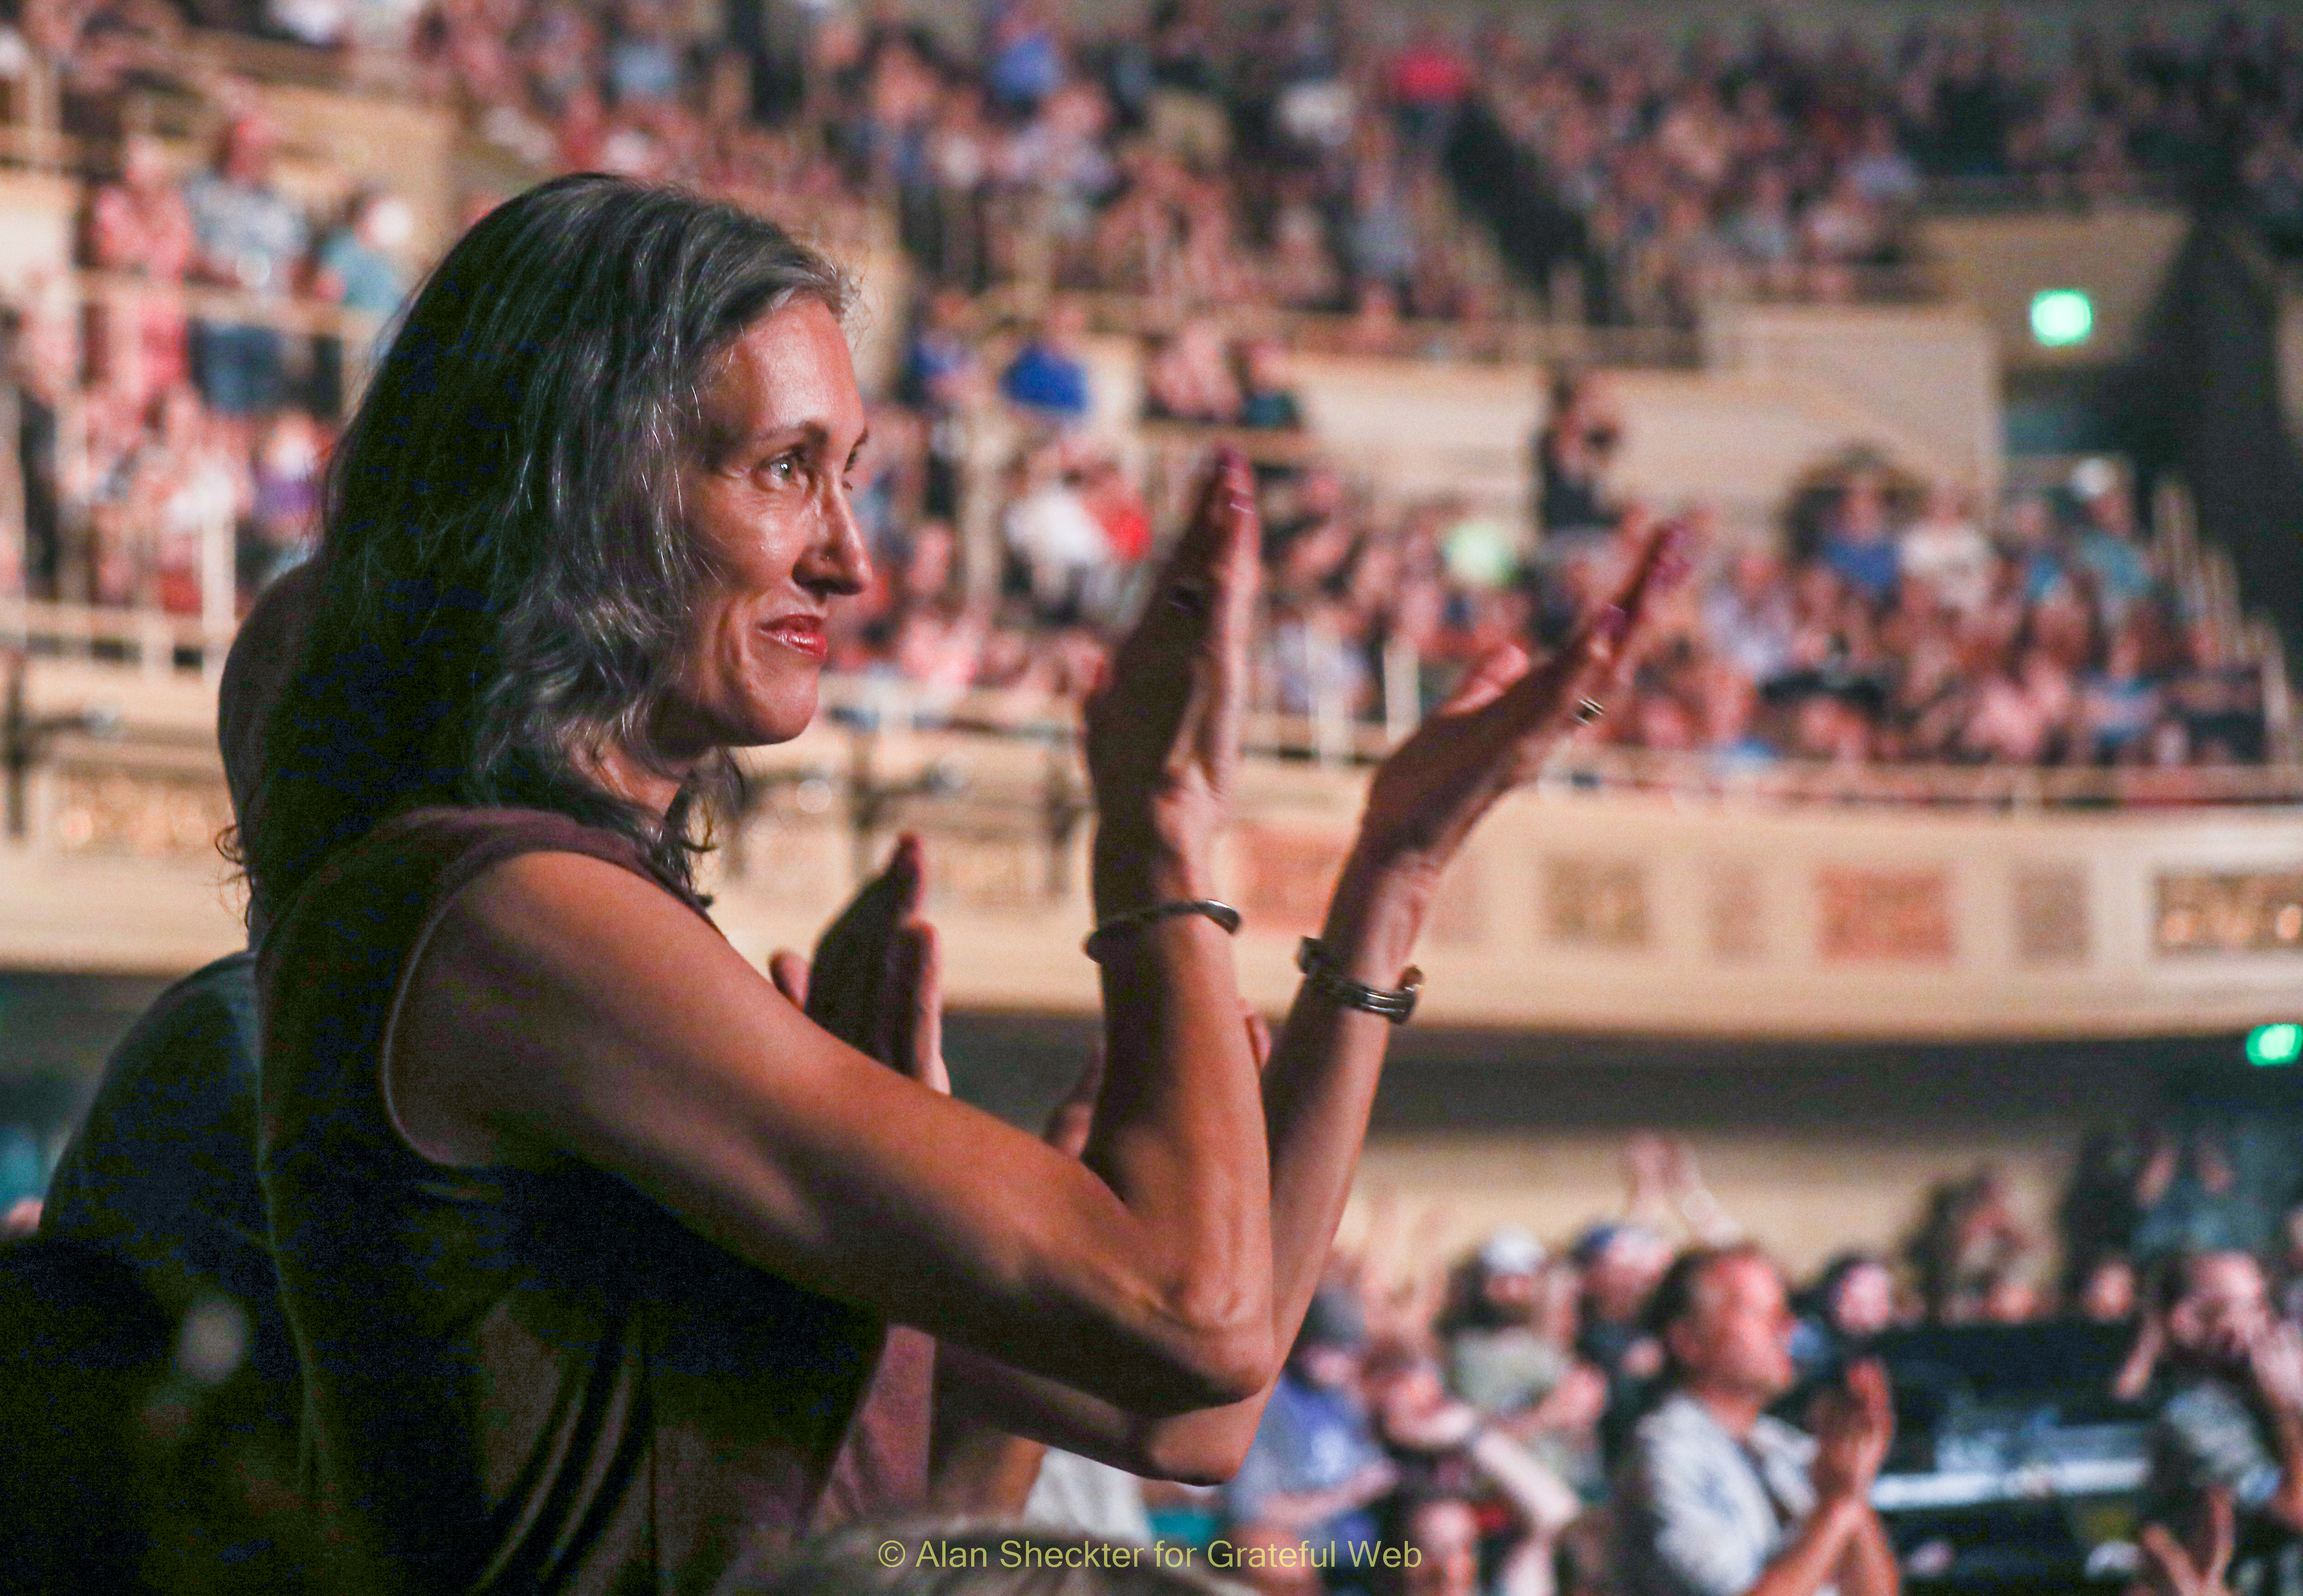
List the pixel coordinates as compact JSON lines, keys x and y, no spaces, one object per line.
{"x":565,"y":1006}
{"x":1320,"y":1083}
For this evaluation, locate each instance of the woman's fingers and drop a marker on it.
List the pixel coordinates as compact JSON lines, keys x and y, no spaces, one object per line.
{"x":1237,"y":567}
{"x":1495,"y":671}
{"x":1178,"y":684}
{"x":1259,"y":1036}
{"x":1198,"y":567}
{"x":917,"y":1007}
{"x":848,"y":985}
{"x":1587,"y":668}
{"x":789,"y":971}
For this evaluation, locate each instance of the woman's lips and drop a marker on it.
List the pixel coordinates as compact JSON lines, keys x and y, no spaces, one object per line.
{"x":803,"y":634}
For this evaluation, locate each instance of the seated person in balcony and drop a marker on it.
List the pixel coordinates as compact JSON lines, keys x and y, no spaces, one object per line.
{"x":1859,"y":542}
{"x":1189,"y":379}
{"x":1717,"y":1499}
{"x":610,"y":1266}
{"x":1946,"y":549}
{"x":1571,"y":452}
{"x":1048,"y":378}
{"x":1265,"y":399}
{"x":138,"y":224}
{"x":358,"y":267}
{"x":251,"y":237}
{"x":2233,"y":1418}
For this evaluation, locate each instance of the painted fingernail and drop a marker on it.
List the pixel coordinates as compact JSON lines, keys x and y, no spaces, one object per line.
{"x":1611,"y":623}
{"x":1671,"y":569}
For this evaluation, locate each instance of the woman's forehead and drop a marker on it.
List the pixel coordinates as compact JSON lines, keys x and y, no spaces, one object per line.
{"x":788,"y":372}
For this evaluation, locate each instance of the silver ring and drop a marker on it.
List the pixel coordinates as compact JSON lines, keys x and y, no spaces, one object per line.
{"x":1189,"y":597}
{"x":1589,"y":711}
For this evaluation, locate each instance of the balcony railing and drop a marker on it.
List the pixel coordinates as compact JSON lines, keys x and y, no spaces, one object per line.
{"x":111,"y":657}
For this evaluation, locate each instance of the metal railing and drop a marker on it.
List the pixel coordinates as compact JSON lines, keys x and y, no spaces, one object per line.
{"x":864,"y":708}
{"x":1506,"y":341}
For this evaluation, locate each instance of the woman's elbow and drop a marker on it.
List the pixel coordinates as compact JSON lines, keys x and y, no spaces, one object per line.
{"x":1226,"y":1354}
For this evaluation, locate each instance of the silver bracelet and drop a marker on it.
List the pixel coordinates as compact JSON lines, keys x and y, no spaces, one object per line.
{"x":1321,"y":975}
{"x":1137,"y":919}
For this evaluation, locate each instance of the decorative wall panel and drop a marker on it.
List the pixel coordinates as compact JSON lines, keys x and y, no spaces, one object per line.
{"x":2051,"y":915}
{"x":2240,"y":911}
{"x":1595,"y":903}
{"x":1867,"y":914}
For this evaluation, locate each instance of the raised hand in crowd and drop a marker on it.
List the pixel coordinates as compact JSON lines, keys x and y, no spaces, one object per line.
{"x":1852,"y":1428}
{"x":2274,"y":1363}
{"x":2194,"y":1566}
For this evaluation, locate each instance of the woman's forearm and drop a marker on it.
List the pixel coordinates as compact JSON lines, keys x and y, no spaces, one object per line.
{"x":1317,"y":1091}
{"x":1319,"y":1085}
{"x":1178,"y":1129}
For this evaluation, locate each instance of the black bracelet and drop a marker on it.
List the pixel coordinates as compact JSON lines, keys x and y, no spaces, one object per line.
{"x":1222,"y":914}
{"x":1321,"y":975}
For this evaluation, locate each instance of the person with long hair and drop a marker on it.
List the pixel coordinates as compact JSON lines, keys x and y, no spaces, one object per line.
{"x":592,"y":1239}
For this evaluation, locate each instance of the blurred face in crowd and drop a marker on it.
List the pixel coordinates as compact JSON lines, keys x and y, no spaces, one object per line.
{"x":1738,"y":1340}
{"x":1402,"y":1390}
{"x":246,"y":150}
{"x":1618,"y":1280}
{"x":2109,"y":1294}
{"x":1325,"y":1364}
{"x":1447,"y":1535}
{"x":2224,"y":1309}
{"x":1865,"y":1303}
{"x":1510,"y":1291}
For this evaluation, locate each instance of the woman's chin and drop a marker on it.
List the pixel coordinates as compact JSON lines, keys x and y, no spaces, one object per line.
{"x":781,"y":717}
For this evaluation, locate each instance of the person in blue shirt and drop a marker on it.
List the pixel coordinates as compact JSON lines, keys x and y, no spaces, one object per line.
{"x":161,"y":1172}
{"x":1315,"y":1470}
{"x":1858,"y":542}
{"x":1047,"y":376}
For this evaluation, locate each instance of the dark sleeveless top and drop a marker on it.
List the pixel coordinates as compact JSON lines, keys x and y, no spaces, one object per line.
{"x":524,"y":1381}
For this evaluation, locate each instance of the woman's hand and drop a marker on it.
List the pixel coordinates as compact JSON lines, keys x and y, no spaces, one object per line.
{"x":1162,"y":738}
{"x":876,"y":981}
{"x":1496,"y":730}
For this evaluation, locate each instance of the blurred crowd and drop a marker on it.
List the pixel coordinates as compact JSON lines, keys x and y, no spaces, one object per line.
{"x":1888,"y":620}
{"x":1505,"y":1420}
{"x":191,"y":473}
{"x":1794,"y":165}
{"x":1898,"y":619}
{"x":1500,"y":1414}
{"x":1294,"y":157}
{"x":1299,"y":154}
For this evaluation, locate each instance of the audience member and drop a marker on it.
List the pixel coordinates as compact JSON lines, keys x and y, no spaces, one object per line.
{"x":140,"y":225}
{"x":1315,"y":1469}
{"x":250,"y":237}
{"x":2232,"y":1418}
{"x":1717,"y":1499}
{"x":1048,"y":378}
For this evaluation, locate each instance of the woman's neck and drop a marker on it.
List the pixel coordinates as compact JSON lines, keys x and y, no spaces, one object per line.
{"x":652,"y":787}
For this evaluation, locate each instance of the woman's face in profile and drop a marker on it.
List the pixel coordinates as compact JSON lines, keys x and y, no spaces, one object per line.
{"x":767,"y":499}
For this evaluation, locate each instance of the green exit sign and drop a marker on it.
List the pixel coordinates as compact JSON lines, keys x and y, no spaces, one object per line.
{"x":2268,"y":1045}
{"x":2062,"y":318}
